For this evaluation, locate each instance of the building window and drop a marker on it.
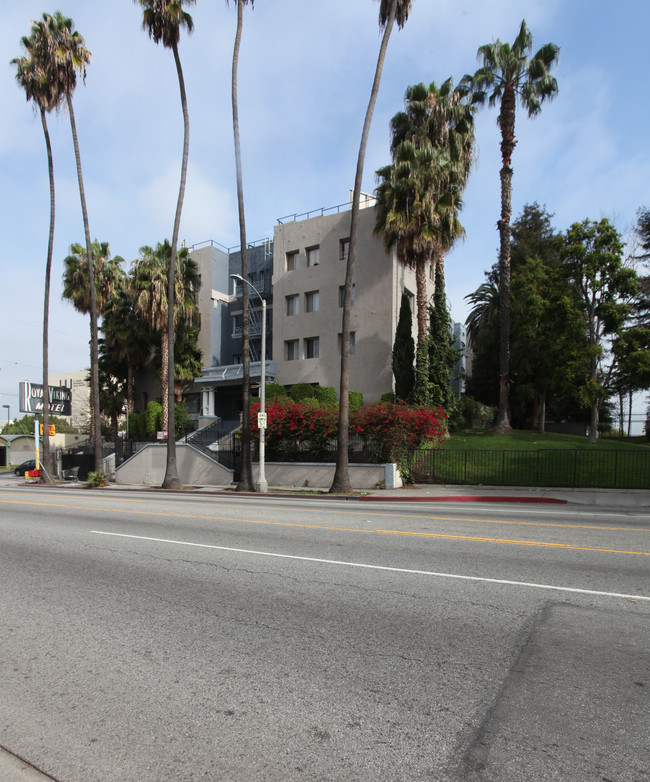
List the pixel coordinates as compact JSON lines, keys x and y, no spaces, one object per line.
{"x":344,"y":249}
{"x":311,"y":301}
{"x":353,"y":342}
{"x":292,"y":304}
{"x":342,"y":294}
{"x":292,"y":260}
{"x":312,"y":347}
{"x":292,"y":350}
{"x":313,"y":256}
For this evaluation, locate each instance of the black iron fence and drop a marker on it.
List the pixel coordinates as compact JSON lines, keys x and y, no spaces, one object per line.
{"x":615,"y":469}
{"x":359,"y":451}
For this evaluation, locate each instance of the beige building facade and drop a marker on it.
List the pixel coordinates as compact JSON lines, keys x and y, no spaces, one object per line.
{"x":308,"y":277}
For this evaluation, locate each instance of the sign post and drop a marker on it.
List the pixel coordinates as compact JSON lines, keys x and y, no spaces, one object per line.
{"x":37,"y":441}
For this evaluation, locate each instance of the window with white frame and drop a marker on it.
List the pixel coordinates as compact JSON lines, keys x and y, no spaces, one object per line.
{"x":313,"y":256}
{"x":342,"y":294}
{"x":292,"y":350}
{"x":291,"y":260}
{"x":292,"y":304}
{"x":312,"y":347}
{"x":311,"y":301}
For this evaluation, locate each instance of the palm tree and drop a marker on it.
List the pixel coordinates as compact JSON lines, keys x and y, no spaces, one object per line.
{"x":246,"y":476}
{"x":127,"y":336}
{"x":150,"y":278}
{"x":419,"y":195}
{"x":507,"y":76}
{"x":390,"y":11}
{"x":163,"y":20}
{"x":67,"y":57}
{"x":43,"y":89}
{"x":91,"y":300}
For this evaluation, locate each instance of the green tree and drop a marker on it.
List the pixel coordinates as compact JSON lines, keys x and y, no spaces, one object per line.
{"x":419,"y":195}
{"x":188,"y":364}
{"x":42,"y":87}
{"x":390,"y":11}
{"x":507,"y":76}
{"x":603,"y":287}
{"x":150,"y":279}
{"x":112,"y":388}
{"x":246,"y":475}
{"x":69,"y":58}
{"x":641,"y":306}
{"x":482,"y":326}
{"x":106,"y":274}
{"x":127,"y":335}
{"x":404,"y":352}
{"x":62,"y":57}
{"x":163,"y":20}
{"x":442,"y":354}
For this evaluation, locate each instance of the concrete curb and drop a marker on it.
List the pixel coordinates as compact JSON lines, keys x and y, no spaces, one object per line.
{"x":456,"y":498}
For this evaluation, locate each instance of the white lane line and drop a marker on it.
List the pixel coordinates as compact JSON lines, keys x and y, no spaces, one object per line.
{"x":377,"y":567}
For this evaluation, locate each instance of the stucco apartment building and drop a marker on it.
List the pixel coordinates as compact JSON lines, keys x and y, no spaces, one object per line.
{"x":309,"y":263}
{"x":300,"y":274}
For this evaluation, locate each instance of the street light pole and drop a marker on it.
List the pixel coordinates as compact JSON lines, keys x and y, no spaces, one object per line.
{"x":8,"y":417}
{"x":262,"y":485}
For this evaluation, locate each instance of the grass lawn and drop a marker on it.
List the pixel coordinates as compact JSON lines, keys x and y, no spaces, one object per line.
{"x":523,"y":440}
{"x":524,"y":458}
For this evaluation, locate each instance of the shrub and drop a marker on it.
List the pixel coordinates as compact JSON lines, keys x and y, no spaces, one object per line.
{"x":470,"y":413}
{"x":301,"y":391}
{"x":393,"y":430}
{"x":355,"y":399}
{"x":137,"y":425}
{"x":97,"y":479}
{"x":275,"y":391}
{"x":181,"y":419}
{"x":153,"y":418}
{"x":397,"y":429}
{"x":326,"y":396}
{"x":388,"y":396}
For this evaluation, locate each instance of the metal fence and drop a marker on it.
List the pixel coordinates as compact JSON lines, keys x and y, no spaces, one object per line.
{"x":615,"y":469}
{"x":359,"y":451}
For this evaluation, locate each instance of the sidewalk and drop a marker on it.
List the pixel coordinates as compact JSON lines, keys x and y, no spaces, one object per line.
{"x":624,"y":499}
{"x":13,"y":768}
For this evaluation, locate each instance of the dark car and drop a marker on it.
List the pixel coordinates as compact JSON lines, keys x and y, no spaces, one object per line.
{"x":30,"y":464}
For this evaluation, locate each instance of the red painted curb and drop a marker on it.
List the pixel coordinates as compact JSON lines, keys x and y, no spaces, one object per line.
{"x":374,"y":498}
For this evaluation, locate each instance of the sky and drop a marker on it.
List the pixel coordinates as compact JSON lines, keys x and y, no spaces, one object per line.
{"x":305,"y":73}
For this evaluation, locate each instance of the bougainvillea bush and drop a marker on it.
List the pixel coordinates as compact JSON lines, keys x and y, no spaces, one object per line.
{"x":382,"y":431}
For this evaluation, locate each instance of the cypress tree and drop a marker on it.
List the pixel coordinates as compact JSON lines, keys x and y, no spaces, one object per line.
{"x":404,"y":352}
{"x":442,"y":354}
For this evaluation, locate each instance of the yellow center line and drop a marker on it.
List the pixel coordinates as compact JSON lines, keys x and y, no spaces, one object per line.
{"x":384,"y":514}
{"x":439,"y":536}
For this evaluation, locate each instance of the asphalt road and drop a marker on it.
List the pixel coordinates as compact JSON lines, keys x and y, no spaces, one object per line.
{"x":148,"y":637}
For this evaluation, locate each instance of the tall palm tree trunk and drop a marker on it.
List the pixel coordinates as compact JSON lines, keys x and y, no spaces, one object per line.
{"x":246,"y":475}
{"x":95,"y":424}
{"x":341,"y":481}
{"x":47,"y":459}
{"x":164,"y":378}
{"x":421,"y":299}
{"x":507,"y":125}
{"x":171,"y":480}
